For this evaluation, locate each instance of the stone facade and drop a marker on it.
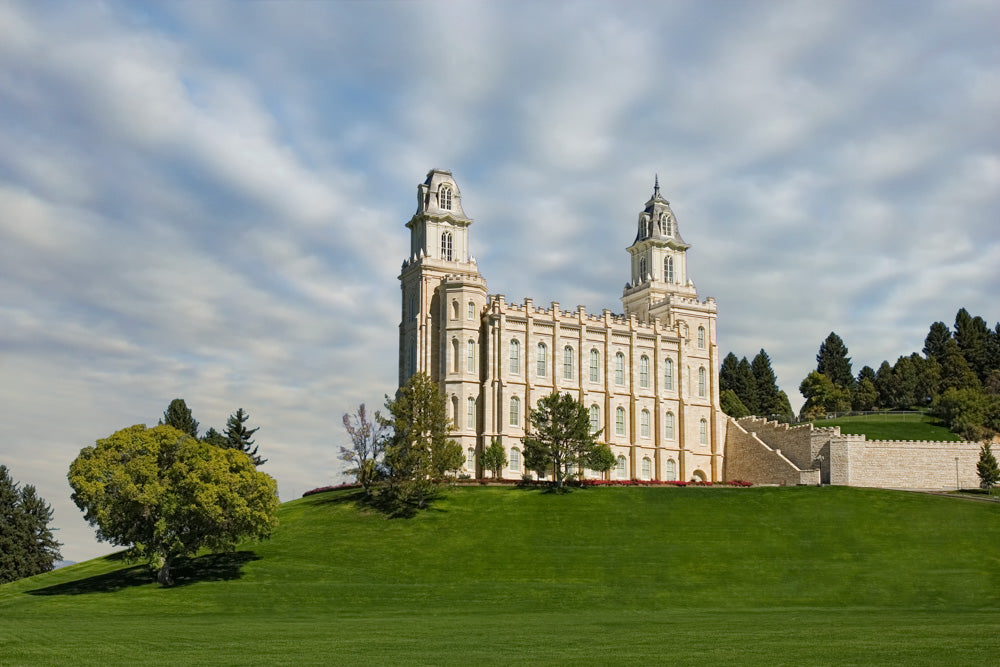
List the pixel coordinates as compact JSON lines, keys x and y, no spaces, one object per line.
{"x":648,"y":376}
{"x":849,"y":460}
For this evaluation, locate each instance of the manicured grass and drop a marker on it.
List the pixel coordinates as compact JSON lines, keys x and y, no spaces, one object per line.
{"x":500,"y":575}
{"x":892,"y":426}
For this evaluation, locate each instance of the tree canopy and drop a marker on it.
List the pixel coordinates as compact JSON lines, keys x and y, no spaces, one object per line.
{"x":27,"y":546}
{"x":238,"y":436}
{"x":367,"y":437}
{"x":179,"y":416}
{"x":754,"y":386}
{"x":164,"y":494}
{"x":833,"y":362}
{"x":561,"y":438}
{"x":494,"y":458}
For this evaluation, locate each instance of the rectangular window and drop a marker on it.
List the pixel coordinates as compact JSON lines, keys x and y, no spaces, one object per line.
{"x":644,"y":423}
{"x":644,"y":372}
{"x":595,"y":366}
{"x":542,"y":360}
{"x":472,"y":311}
{"x":668,"y":375}
{"x":470,"y":412}
{"x":619,"y":368}
{"x":470,"y":356}
{"x":515,"y":411}
{"x":668,"y":426}
{"x":515,"y":357}
{"x":568,"y":363}
{"x":620,"y":421}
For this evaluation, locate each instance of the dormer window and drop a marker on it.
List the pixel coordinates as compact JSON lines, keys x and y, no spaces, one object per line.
{"x":446,"y":246}
{"x":444,"y":196}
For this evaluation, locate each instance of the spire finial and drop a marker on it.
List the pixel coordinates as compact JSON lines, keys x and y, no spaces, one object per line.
{"x":656,"y":185}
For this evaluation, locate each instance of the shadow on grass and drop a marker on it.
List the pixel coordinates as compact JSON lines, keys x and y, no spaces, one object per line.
{"x":385,"y":502}
{"x":187,"y":571}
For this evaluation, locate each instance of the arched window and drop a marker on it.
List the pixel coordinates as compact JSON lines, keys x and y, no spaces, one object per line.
{"x":620,"y":471}
{"x":595,"y":418}
{"x":470,"y":459}
{"x":671,"y":472}
{"x":595,"y":365}
{"x":644,"y":423}
{"x":470,"y":356}
{"x":445,"y":197}
{"x":647,"y":468}
{"x":454,"y":355}
{"x":702,"y":381}
{"x":644,"y":372}
{"x":642,"y":271}
{"x":668,"y":269}
{"x":515,"y":411}
{"x":454,"y":410}
{"x":470,"y":412}
{"x":515,"y":460}
{"x":515,"y":356}
{"x":670,"y":227}
{"x":619,"y":421}
{"x":567,"y":363}
{"x":472,"y":311}
{"x":454,"y":309}
{"x":668,"y":374}
{"x":703,"y":432}
{"x":668,"y":426}
{"x":663,"y":224}
{"x":446,"y":246}
{"x":701,"y":338}
{"x":541,"y":359}
{"x":619,"y":368}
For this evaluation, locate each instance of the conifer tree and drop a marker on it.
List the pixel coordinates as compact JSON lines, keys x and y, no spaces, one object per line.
{"x":766,"y":386}
{"x":938,"y":335}
{"x":833,"y":362}
{"x":27,"y":546}
{"x":972,"y":334}
{"x":238,"y":436}
{"x":886,"y":385}
{"x":745,"y":386}
{"x":495,"y":458}
{"x":560,"y":438}
{"x":179,"y":416}
{"x":727,"y":373}
{"x":955,"y":370}
{"x":732,"y":405}
{"x":989,"y":472}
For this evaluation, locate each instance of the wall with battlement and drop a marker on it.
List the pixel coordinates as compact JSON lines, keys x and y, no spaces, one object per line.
{"x":899,"y":464}
{"x":749,"y":458}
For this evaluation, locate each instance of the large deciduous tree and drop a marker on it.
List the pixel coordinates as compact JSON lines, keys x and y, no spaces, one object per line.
{"x":367,"y":444}
{"x":238,"y":436}
{"x":560,"y":438}
{"x":419,"y":451}
{"x":27,"y":546}
{"x":179,"y":416}
{"x":164,"y":494}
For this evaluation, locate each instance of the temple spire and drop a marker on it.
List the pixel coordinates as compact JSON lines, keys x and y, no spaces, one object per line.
{"x":656,"y":185}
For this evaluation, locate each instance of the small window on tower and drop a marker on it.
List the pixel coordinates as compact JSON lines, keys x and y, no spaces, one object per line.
{"x":668,"y":269}
{"x":642,"y":270}
{"x":445,"y":197}
{"x":446,"y":246}
{"x":663,"y":224}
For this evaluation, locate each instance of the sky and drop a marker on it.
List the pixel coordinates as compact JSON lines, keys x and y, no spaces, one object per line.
{"x":207,"y":200}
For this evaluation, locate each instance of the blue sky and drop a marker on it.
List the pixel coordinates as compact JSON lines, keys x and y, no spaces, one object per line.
{"x":206,"y":199}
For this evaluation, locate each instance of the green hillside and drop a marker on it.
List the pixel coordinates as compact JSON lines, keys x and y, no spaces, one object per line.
{"x":502,"y":575}
{"x":892,"y":426}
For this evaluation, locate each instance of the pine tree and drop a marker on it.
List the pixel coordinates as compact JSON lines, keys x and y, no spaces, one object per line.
{"x":238,"y":436}
{"x":955,"y":370}
{"x":833,"y":362}
{"x":886,"y":386}
{"x":27,"y":546}
{"x":732,"y":405}
{"x":560,"y":438}
{"x":972,"y":335}
{"x":766,"y":386}
{"x":179,"y":416}
{"x":867,"y":372}
{"x":727,"y":373}
{"x":989,"y":473}
{"x":215,"y":438}
{"x":938,"y":335}
{"x":745,"y":386}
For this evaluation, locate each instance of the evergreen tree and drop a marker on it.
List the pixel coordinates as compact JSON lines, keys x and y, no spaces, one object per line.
{"x":215,"y":438}
{"x":238,"y":436}
{"x":27,"y":546}
{"x":972,"y":334}
{"x":766,"y":386}
{"x":179,"y":416}
{"x":745,"y":386}
{"x":833,"y":362}
{"x":938,"y":335}
{"x":989,"y":473}
{"x":867,"y":372}
{"x":907,"y":383}
{"x":727,"y":373}
{"x":419,"y":451}
{"x":886,"y":386}
{"x":732,"y":405}
{"x":955,"y":370}
{"x":865,"y":397}
{"x":560,"y":438}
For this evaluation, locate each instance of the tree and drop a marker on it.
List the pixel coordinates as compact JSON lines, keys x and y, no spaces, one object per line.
{"x":769,"y":403}
{"x":27,"y":546}
{"x":955,"y":370}
{"x":972,"y":336}
{"x":989,"y":473}
{"x":822,"y":396}
{"x":214,"y":438}
{"x":745,"y":386}
{"x":419,"y":451}
{"x":238,"y":436}
{"x":179,"y":416}
{"x":886,"y":385}
{"x":727,"y":373}
{"x":367,"y":445}
{"x":938,"y":335}
{"x":865,"y":397}
{"x":833,"y":362}
{"x":164,"y":495}
{"x":495,"y":458}
{"x":560,"y":437}
{"x":732,"y":405}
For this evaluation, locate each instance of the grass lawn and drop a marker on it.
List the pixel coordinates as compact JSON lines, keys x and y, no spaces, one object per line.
{"x":500,"y":575}
{"x":892,"y":426}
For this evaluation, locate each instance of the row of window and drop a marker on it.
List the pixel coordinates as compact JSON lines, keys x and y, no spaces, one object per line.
{"x":668,"y":270}
{"x":470,"y":312}
{"x":541,"y":356}
{"x":620,"y":469}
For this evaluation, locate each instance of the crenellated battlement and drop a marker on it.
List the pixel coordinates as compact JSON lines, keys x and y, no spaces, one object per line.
{"x":498,"y":304}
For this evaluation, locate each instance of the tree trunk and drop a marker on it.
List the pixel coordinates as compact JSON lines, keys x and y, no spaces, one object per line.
{"x":163,"y":576}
